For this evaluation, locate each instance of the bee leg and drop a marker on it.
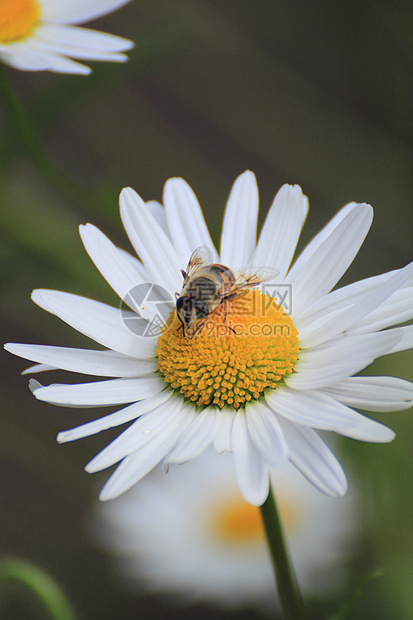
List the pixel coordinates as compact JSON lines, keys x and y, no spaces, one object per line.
{"x":226,"y":314}
{"x":182,"y":325}
{"x":198,"y":328}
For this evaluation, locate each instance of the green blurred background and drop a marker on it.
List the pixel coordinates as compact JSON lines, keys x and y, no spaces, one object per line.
{"x":314,"y":93}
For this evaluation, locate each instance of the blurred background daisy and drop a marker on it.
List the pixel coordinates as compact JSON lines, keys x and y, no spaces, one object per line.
{"x":309,"y":93}
{"x":191,"y":535}
{"x":39,"y":35}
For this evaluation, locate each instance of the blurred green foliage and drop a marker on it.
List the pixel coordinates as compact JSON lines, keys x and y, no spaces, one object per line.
{"x":319,"y":94}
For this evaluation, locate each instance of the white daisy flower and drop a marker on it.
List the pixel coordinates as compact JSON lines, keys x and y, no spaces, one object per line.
{"x":39,"y":35}
{"x":192,"y":535}
{"x":255,"y":380}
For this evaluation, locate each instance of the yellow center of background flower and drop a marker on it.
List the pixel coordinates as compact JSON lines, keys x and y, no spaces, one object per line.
{"x":233,"y":521}
{"x":244,"y":348}
{"x":17,"y":19}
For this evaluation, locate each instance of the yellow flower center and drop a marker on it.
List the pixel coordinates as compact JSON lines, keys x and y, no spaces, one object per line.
{"x":233,"y":521}
{"x":237,"y":522}
{"x":17,"y":19}
{"x":244,"y":348}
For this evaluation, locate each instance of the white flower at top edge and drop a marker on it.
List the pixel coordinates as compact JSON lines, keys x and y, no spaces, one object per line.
{"x":191,"y":535}
{"x":267,"y":397}
{"x":40,"y":35}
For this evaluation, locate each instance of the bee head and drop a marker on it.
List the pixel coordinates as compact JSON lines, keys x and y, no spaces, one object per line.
{"x":190,"y":310}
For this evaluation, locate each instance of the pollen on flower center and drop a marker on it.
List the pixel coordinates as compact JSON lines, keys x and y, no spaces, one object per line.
{"x":245,"y":347}
{"x":17,"y":19}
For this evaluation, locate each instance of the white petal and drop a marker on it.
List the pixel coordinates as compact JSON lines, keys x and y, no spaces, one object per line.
{"x":223,"y":430}
{"x":185,"y":220}
{"x":111,"y":392}
{"x":111,"y":262}
{"x":28,"y":56}
{"x":322,"y":264}
{"x":115,"y":419}
{"x":57,"y":62}
{"x":340,"y":298}
{"x":281,"y":230}
{"x":158,"y":212}
{"x":239,"y":229}
{"x":150,"y":242}
{"x":383,"y":306}
{"x":405,"y":335}
{"x":373,"y":393}
{"x":80,"y":42}
{"x":312,"y":408}
{"x":134,"y":467}
{"x":33,"y":385}
{"x":124,"y":278}
{"x":102,"y":323}
{"x":371,"y":431}
{"x":22,"y":56}
{"x":319,"y":239}
{"x":89,"y":362}
{"x":197,"y":438}
{"x":310,"y":455}
{"x":266,"y":434}
{"x":343,"y":357}
{"x":78,"y":11}
{"x":136,"y":264}
{"x":164,"y":410}
{"x":37,"y":368}
{"x":251,"y":473}
{"x":395,"y":310}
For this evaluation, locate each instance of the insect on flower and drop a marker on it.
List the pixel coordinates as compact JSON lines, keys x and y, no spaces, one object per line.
{"x":207,"y":285}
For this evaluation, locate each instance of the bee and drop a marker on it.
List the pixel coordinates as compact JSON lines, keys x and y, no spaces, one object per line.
{"x":208,"y":285}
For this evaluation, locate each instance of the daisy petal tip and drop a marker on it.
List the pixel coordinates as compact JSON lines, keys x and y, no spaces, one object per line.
{"x":34,"y":385}
{"x":104,"y":496}
{"x":342,"y":486}
{"x":256,"y":499}
{"x":173,"y":182}
{"x":89,"y":469}
{"x":388,"y":435}
{"x":109,"y":491}
{"x":84,"y":227}
{"x":338,"y":489}
{"x":248,"y":176}
{"x":368,"y":210}
{"x":128,"y":45}
{"x":129,"y":199}
{"x":39,"y":296}
{"x":342,"y":492}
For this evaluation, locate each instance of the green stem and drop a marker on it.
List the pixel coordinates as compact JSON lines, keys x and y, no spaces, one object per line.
{"x":291,"y":600}
{"x":47,"y":590}
{"x":29,"y":139}
{"x":23,"y":127}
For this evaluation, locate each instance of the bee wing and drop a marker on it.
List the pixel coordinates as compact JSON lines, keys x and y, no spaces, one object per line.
{"x":200,"y":257}
{"x":249,"y":277}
